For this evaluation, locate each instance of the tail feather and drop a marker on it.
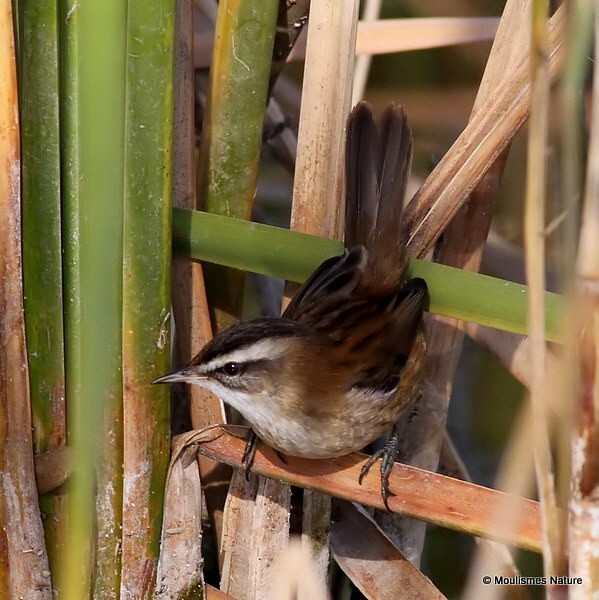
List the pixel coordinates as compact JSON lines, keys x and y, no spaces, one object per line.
{"x":378,"y":162}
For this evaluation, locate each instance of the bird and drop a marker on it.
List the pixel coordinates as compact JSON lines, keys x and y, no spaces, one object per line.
{"x":346,"y":359}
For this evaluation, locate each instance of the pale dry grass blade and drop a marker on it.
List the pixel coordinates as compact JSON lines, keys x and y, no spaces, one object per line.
{"x":24,"y":571}
{"x":534,"y":238}
{"x":377,"y":568}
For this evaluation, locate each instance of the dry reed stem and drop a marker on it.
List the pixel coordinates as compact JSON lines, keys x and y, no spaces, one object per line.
{"x":24,"y":571}
{"x":462,"y":247}
{"x":371,"y":561}
{"x":326,"y":97}
{"x":236,"y":549}
{"x":318,"y":183}
{"x":179,"y":573}
{"x":534,"y":237}
{"x":190,"y":306}
{"x":419,"y":494}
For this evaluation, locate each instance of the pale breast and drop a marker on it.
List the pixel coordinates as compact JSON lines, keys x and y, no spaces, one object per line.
{"x":327,"y":423}
{"x":363,"y":418}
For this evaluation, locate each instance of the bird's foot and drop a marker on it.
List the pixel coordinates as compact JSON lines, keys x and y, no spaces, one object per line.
{"x":389,"y":453}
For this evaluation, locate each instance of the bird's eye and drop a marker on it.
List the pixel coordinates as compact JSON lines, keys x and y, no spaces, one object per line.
{"x":231,"y":369}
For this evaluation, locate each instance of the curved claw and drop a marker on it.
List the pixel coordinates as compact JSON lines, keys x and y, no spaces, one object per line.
{"x":389,"y":453}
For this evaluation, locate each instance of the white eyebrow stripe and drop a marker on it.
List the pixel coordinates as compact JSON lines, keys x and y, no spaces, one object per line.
{"x":271,"y":349}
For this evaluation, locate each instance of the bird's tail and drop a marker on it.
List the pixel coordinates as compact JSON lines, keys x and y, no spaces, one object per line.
{"x":378,"y":159}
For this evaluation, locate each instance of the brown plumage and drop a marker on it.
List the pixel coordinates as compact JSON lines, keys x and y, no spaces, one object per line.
{"x":346,"y":358}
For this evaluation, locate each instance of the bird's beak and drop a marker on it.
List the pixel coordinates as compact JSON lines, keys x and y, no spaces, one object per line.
{"x":181,"y":375}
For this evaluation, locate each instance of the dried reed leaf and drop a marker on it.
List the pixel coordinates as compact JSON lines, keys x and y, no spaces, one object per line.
{"x":419,"y":494}
{"x":377,"y":568}
{"x":402,"y":35}
{"x":23,"y":559}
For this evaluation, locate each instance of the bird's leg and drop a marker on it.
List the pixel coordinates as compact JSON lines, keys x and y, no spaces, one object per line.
{"x":389,"y":453}
{"x":249,"y":453}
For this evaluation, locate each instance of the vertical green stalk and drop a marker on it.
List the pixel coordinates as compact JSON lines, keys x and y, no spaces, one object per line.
{"x":146,"y":285}
{"x":232,"y":129}
{"x":92,"y":122}
{"x":42,"y":255}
